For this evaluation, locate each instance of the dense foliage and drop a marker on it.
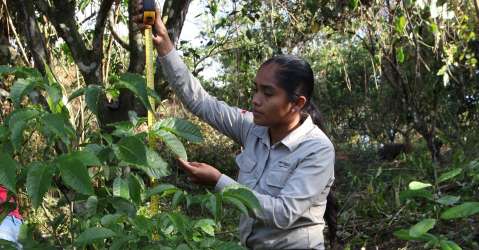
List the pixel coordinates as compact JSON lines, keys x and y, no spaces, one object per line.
{"x":396,"y":81}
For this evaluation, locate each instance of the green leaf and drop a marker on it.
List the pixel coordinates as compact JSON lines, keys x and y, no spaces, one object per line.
{"x":20,"y":88}
{"x":54,"y":98}
{"x":110,"y":219}
{"x":93,"y":234}
{"x":422,"y":227}
{"x":160,"y":190}
{"x":93,"y":98}
{"x":75,"y":174}
{"x":416,"y":185}
{"x":353,"y":4}
{"x":3,"y":133}
{"x":244,"y":195}
{"x":403,"y":234}
{"x":120,"y":188}
{"x":8,"y":172}
{"x":207,"y":226}
{"x":39,"y":180}
{"x":215,"y":205}
{"x":237,"y":203}
{"x":87,"y":157}
{"x":449,"y":245}
{"x":156,"y":167}
{"x":136,"y":84}
{"x":131,"y":150}
{"x":123,"y":206}
{"x":135,"y":189}
{"x":91,"y":206}
{"x":401,"y":23}
{"x":77,"y":93}
{"x":58,"y":125}
{"x":449,"y":175}
{"x":182,"y":128}
{"x":407,"y":194}
{"x":177,"y":198}
{"x":400,"y":55}
{"x":448,"y":200}
{"x":172,"y":143}
{"x":180,"y":222}
{"x":17,"y":123}
{"x":464,"y":210}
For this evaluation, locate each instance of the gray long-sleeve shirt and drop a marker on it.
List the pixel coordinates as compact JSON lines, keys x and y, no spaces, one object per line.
{"x":291,"y":178}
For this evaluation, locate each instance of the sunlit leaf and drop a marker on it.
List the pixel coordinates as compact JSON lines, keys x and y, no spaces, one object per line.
{"x":416,"y":185}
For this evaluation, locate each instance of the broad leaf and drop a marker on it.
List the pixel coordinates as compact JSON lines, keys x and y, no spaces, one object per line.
{"x":449,"y":245}
{"x":59,"y":126}
{"x":180,"y":222}
{"x":181,"y":128}
{"x":39,"y":180}
{"x":8,"y":172}
{"x":131,"y":150}
{"x":161,"y":189}
{"x":448,"y":200}
{"x":93,"y":234}
{"x":464,"y":210}
{"x":244,"y":195}
{"x":422,"y":227}
{"x":403,"y":234}
{"x":120,"y":188}
{"x":75,"y":174}
{"x":17,"y":123}
{"x":449,"y":175}
{"x":136,"y":84}
{"x":207,"y":226}
{"x":134,"y":188}
{"x":87,"y":157}
{"x":156,"y":167}
{"x":20,"y":88}
{"x":172,"y":143}
{"x":77,"y":93}
{"x":93,"y":98}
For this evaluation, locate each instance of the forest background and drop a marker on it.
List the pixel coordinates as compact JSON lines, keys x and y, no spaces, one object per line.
{"x":396,"y":81}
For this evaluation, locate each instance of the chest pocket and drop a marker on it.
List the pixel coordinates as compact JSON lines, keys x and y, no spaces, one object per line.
{"x":246,"y":167}
{"x":278,"y":175}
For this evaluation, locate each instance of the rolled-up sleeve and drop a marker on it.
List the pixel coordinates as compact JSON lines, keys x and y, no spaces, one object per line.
{"x":309,"y":182}
{"x":231,"y":121}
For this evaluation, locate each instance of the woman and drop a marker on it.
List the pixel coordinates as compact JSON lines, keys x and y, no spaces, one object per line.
{"x":10,"y":226}
{"x":288,"y":162}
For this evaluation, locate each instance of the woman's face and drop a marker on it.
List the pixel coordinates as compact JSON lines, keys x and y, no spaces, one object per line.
{"x":271,"y":106}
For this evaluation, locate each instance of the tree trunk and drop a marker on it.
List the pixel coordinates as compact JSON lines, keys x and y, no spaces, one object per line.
{"x":35,"y":40}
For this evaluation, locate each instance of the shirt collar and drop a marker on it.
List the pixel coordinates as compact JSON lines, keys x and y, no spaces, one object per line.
{"x":292,"y":140}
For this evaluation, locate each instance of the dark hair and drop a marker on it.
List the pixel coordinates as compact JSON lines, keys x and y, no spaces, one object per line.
{"x":296,"y":77}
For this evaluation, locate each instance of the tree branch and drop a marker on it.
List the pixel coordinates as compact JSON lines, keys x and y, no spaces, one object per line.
{"x":116,"y":36}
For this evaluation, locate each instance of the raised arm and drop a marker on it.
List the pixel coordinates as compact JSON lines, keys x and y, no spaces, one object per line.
{"x":231,"y":121}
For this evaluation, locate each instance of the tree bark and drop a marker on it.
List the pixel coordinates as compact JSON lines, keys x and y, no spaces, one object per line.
{"x":34,"y":38}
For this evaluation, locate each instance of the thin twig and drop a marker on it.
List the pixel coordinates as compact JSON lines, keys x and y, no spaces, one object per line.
{"x":17,"y":38}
